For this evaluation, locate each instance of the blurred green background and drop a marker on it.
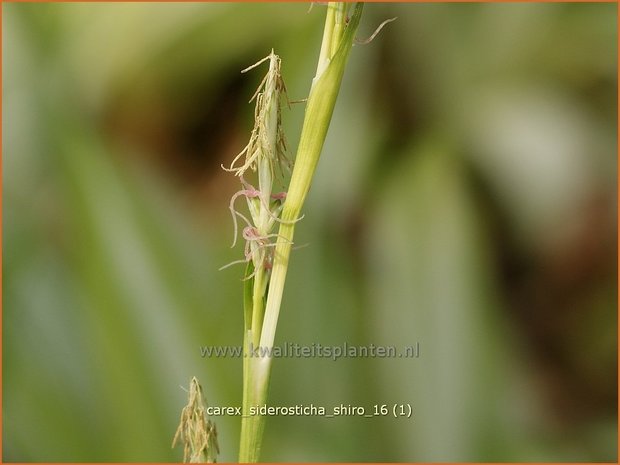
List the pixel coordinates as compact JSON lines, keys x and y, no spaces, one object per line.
{"x":465,"y":200}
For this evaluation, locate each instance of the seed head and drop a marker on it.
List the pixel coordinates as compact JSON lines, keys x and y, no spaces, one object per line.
{"x":267,"y":140}
{"x":196,"y":431}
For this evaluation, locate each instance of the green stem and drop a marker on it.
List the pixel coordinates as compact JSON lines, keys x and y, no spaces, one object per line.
{"x":318,"y":115}
{"x":244,"y":446}
{"x":260,"y":285}
{"x":337,"y":42}
{"x":252,"y":425}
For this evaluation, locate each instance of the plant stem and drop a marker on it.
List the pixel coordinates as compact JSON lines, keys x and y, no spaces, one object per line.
{"x":318,"y":115}
{"x":337,"y":42}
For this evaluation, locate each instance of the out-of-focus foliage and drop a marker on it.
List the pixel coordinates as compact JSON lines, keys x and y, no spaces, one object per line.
{"x":465,"y":199}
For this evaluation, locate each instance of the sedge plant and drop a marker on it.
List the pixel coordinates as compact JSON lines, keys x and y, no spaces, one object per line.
{"x":267,"y":253}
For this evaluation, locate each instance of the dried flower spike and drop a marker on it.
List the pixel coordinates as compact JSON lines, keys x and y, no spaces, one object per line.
{"x":197,"y":433}
{"x":264,"y":152}
{"x":267,"y":142}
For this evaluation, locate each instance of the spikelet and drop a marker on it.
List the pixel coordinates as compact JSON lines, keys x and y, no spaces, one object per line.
{"x":267,"y":141}
{"x":197,"y":433}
